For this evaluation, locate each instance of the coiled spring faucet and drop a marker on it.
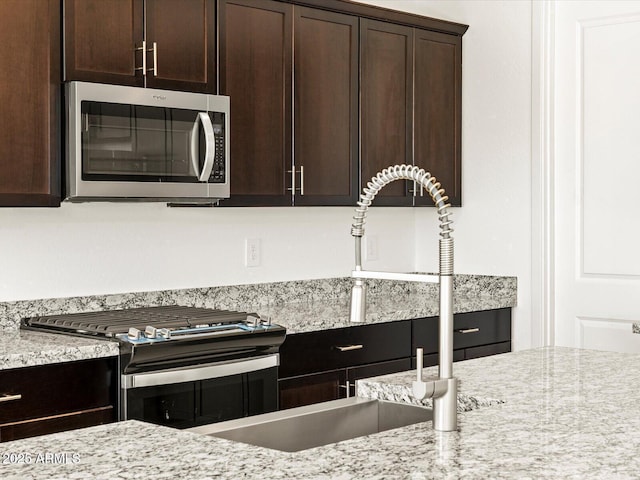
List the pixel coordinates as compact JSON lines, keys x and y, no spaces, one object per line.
{"x":442,"y":389}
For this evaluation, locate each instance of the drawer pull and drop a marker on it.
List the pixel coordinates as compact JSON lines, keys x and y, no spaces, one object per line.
{"x":348,"y":348}
{"x":468,"y":330}
{"x":9,"y":398}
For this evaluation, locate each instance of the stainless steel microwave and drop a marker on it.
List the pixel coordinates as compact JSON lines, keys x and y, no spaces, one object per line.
{"x":132,"y":143}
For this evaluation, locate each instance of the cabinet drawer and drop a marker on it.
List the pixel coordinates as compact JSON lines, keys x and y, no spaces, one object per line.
{"x":481,"y":328}
{"x":51,"y":390}
{"x":469,"y":330}
{"x":56,"y":423}
{"x":344,"y":347}
{"x":309,"y":389}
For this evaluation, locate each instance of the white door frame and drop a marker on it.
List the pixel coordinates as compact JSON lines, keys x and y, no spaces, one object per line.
{"x":542,"y":165}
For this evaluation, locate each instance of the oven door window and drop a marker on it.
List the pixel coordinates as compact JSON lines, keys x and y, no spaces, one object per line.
{"x":147,"y":144}
{"x":171,"y":405}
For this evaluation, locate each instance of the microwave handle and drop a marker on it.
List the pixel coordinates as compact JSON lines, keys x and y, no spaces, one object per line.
{"x":210,"y":148}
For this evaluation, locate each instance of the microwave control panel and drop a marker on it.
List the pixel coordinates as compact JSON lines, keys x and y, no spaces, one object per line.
{"x":218,"y":173}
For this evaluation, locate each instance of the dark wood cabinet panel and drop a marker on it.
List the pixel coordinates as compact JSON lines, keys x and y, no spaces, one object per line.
{"x":344,"y":347}
{"x":487,"y":350}
{"x":326,"y":107}
{"x":308,"y":389}
{"x":185,"y":34}
{"x":100,"y":41}
{"x":103,"y":42}
{"x":437,"y":111}
{"x":255,"y":71}
{"x":54,"y":397}
{"x":30,"y":98}
{"x":472,"y":329}
{"x":56,"y":423}
{"x":481,"y":328}
{"x":386,"y":85}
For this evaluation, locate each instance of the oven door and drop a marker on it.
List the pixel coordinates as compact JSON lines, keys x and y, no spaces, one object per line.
{"x":203,"y":394}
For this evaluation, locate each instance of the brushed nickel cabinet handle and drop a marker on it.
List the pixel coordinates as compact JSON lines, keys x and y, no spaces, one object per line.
{"x":347,"y":348}
{"x":143,"y":48}
{"x":468,"y":330}
{"x":301,"y":180}
{"x":9,"y":398}
{"x":155,"y":59}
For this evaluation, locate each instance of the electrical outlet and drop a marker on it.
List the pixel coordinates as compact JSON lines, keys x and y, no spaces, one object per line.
{"x":371,"y":250}
{"x":252,"y":252}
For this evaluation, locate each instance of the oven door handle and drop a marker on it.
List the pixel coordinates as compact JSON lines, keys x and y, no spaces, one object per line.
{"x":210,"y":146}
{"x":201,"y":372}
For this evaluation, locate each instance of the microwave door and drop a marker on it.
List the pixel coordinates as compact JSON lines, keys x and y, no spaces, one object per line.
{"x":210,"y":146}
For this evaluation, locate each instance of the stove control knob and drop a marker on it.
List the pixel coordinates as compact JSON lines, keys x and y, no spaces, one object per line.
{"x":150,"y":332}
{"x":164,"y":333}
{"x":253,"y":321}
{"x":134,"y":334}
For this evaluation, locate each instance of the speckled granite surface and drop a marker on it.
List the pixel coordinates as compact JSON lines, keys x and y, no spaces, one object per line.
{"x":325,"y":305}
{"x":566,"y":414}
{"x":294,"y":304}
{"x":25,"y":349}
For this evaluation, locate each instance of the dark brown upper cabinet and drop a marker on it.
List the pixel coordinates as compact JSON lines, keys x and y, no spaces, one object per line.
{"x":256,"y":49}
{"x":386,"y":85}
{"x":104,"y":43}
{"x":260,"y":55}
{"x":411,"y":108}
{"x":438,"y":111}
{"x":30,"y":99}
{"x":325,"y":168}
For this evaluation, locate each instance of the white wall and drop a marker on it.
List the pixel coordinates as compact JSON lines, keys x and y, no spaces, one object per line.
{"x":493,"y":228}
{"x":84,"y":249}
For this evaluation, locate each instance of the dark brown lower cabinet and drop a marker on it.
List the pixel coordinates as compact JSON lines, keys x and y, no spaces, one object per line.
{"x":324,"y":365}
{"x":52,"y":398}
{"x":313,"y":388}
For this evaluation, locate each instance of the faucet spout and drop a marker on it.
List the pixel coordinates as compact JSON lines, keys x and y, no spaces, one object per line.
{"x":445,"y":395}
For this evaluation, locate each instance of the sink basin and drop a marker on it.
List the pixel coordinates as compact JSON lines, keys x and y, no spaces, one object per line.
{"x":320,"y":424}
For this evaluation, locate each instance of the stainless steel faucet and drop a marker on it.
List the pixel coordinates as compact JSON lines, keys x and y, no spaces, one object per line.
{"x":443,"y":389}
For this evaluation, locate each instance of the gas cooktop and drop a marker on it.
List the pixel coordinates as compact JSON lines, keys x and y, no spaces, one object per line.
{"x":151,"y":336}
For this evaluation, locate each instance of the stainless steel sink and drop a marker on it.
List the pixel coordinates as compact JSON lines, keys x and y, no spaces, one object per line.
{"x":320,"y":424}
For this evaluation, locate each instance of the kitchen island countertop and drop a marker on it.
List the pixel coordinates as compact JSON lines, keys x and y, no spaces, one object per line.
{"x":552,"y":413}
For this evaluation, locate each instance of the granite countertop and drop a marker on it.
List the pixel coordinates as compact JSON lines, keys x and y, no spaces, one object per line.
{"x":551,"y":413}
{"x":23,"y":348}
{"x":301,"y":317}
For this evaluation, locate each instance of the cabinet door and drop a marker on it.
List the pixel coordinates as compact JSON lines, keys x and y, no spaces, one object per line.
{"x":52,"y":398}
{"x":100,"y":40}
{"x":185,"y":35}
{"x":437,"y":111}
{"x":30,"y":99}
{"x":255,"y":71}
{"x":387,"y":101}
{"x":315,"y":388}
{"x":326,"y":107}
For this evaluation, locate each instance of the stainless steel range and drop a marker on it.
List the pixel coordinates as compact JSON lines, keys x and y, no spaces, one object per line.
{"x":185,"y":366}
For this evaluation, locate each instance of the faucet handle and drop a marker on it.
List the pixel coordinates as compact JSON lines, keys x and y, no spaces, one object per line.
{"x":419,"y":387}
